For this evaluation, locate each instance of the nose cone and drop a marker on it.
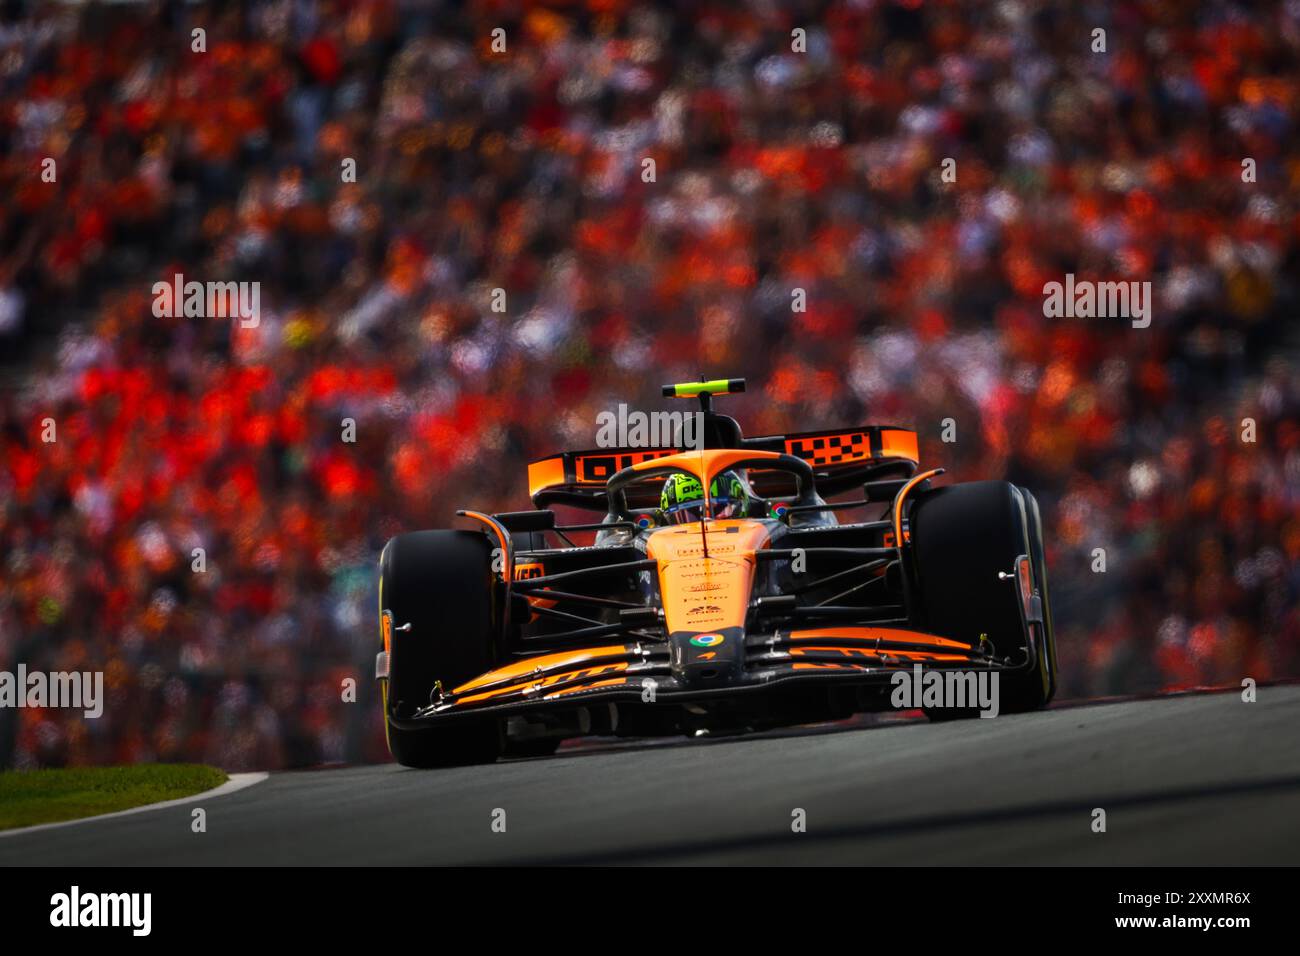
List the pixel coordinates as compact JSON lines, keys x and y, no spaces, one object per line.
{"x":705,"y":658}
{"x":704,"y":584}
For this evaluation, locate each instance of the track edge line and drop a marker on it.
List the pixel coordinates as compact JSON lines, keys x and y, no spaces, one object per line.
{"x":235,"y":783}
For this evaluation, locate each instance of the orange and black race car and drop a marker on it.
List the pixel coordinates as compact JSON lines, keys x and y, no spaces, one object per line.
{"x":720,"y":593}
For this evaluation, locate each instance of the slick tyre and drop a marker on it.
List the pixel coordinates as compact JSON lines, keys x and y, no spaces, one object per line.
{"x":441,"y":584}
{"x":962,"y":537}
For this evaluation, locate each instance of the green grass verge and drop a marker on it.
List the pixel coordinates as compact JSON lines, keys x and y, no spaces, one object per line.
{"x":28,"y":797}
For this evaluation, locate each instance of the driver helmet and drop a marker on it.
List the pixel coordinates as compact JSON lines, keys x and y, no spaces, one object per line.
{"x":682,"y":499}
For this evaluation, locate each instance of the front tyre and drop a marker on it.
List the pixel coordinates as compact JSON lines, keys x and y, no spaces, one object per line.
{"x":962,"y":537}
{"x":441,"y":584}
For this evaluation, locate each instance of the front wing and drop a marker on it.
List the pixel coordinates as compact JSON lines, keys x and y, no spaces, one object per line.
{"x":642,"y":671}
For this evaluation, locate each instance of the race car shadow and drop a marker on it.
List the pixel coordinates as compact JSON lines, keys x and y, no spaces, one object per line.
{"x":772,"y":844}
{"x":592,"y":746}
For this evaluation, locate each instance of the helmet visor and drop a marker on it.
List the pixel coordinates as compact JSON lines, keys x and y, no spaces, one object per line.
{"x":688,"y":511}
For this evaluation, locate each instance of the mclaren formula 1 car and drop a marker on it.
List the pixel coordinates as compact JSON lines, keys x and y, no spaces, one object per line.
{"x":719,"y":588}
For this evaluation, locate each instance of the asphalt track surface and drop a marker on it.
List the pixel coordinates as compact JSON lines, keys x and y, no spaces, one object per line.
{"x":1188,"y":780}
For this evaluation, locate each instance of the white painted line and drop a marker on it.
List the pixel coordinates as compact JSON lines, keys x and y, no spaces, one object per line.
{"x":237,"y":781}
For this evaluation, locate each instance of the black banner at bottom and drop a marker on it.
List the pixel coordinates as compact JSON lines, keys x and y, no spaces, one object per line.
{"x":332,"y":906}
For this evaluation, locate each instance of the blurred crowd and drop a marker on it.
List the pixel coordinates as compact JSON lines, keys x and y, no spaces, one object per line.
{"x":200,"y":530}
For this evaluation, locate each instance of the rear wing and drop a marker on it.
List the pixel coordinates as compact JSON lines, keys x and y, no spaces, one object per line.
{"x":836,"y":448}
{"x":841,"y":458}
{"x":586,"y":471}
